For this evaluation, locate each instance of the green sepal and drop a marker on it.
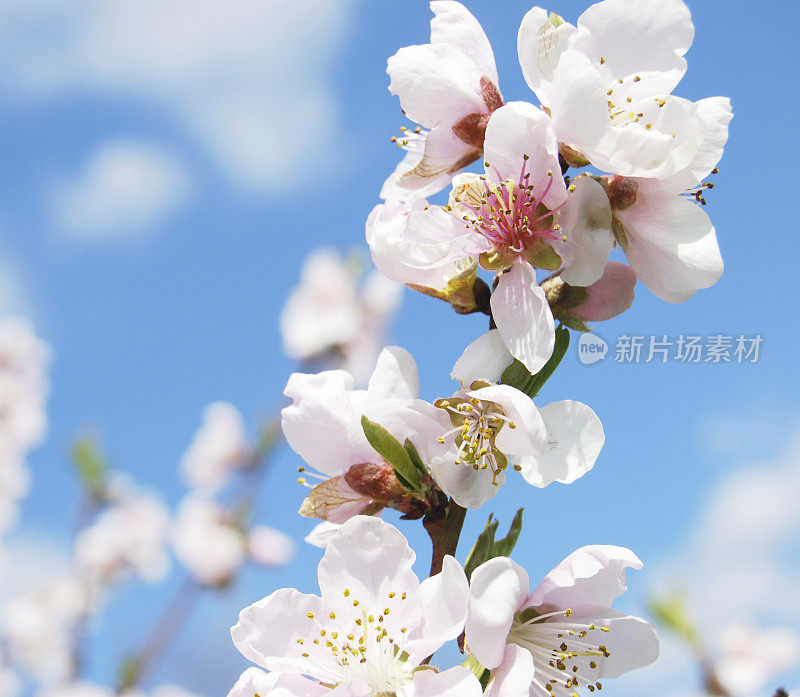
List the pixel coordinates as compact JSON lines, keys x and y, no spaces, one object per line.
{"x":390,"y":449}
{"x":620,"y":234}
{"x":541,"y":255}
{"x":474,"y":665}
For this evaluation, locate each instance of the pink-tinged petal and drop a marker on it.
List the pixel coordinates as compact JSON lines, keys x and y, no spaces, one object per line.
{"x":468,"y":488}
{"x":586,"y":223}
{"x":672,"y":245}
{"x":455,"y":26}
{"x":269,"y":547}
{"x":351,"y":688}
{"x":434,"y":238}
{"x":631,"y":642}
{"x":256,"y":682}
{"x":315,"y":425}
{"x":322,"y":533}
{"x":498,"y":588}
{"x":592,"y":576}
{"x":519,"y":129}
{"x":715,"y":114}
{"x":513,"y":677}
{"x":455,"y":682}
{"x":366,"y":561}
{"x":648,"y":39}
{"x":443,"y":599}
{"x":255,"y":636}
{"x":395,"y":376}
{"x":610,"y":296}
{"x":574,"y":440}
{"x":529,"y":432}
{"x":486,"y":358}
{"x":540,"y":44}
{"x":579,"y":104}
{"x":440,"y":155}
{"x":523,"y":317}
{"x":437,"y":84}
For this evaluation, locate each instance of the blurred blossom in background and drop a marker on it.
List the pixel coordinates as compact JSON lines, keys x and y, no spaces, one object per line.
{"x":181,"y":227}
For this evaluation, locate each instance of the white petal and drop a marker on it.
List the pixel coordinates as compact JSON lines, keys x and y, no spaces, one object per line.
{"x":322,"y":533}
{"x":672,"y":245}
{"x":467,"y":487}
{"x":370,"y":559}
{"x":455,"y":682}
{"x":519,"y":129}
{"x":586,"y":223}
{"x":486,"y":358}
{"x":455,"y":26}
{"x":256,"y":682}
{"x":610,"y":296}
{"x":523,"y":317}
{"x":315,"y":425}
{"x":255,"y":637}
{"x":513,"y":677}
{"x":574,"y":440}
{"x":539,"y":46}
{"x":437,"y":84}
{"x":648,"y":38}
{"x":395,"y":376}
{"x":592,"y":576}
{"x":444,"y":607}
{"x":498,"y":589}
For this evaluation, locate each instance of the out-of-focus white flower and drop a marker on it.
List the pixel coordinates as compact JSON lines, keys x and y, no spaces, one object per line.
{"x":449,"y":86}
{"x":23,"y":390}
{"x":752,"y":658}
{"x":372,"y":627}
{"x":37,"y":627}
{"x":207,"y":542}
{"x":129,"y":537}
{"x":562,"y":635}
{"x":218,"y":448}
{"x":9,"y":682}
{"x":330,"y":317}
{"x":160,"y":691}
{"x":269,"y":547}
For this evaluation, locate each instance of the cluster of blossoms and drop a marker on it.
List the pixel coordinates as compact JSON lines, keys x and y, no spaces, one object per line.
{"x":23,"y":390}
{"x":605,"y":105}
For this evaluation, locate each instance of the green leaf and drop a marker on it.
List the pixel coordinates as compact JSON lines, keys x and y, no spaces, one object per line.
{"x":504,"y":547}
{"x":482,"y":548}
{"x":559,"y":351}
{"x":91,"y":464}
{"x":390,"y":449}
{"x":416,"y":460}
{"x":516,"y":375}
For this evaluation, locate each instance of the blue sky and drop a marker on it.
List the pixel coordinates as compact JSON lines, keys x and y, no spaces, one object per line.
{"x":266,"y":135}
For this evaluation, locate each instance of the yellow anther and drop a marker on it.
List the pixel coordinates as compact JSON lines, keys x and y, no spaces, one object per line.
{"x":310,"y":615}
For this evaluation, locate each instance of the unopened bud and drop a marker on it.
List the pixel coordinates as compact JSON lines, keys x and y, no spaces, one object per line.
{"x":621,"y":191}
{"x":376,"y":481}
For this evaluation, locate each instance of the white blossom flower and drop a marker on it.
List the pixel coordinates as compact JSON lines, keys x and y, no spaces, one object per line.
{"x":207,"y":542}
{"x":667,"y":237}
{"x":37,"y":627}
{"x":517,"y":216}
{"x":78,"y":688}
{"x":372,"y":627}
{"x":10,"y":684}
{"x":128,"y":537}
{"x":450,"y":87}
{"x":751,"y":658}
{"x":607,"y":84}
{"x":323,"y":426}
{"x":563,"y":635}
{"x":330,"y":317}
{"x":489,"y":426}
{"x":218,"y":448}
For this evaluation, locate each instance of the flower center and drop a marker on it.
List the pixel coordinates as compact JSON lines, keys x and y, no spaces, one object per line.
{"x":359,"y":645}
{"x":475,"y":428}
{"x":566,"y":654}
{"x":510,"y":214}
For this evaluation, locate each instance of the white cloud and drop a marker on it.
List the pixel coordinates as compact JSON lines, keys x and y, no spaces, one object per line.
{"x":126,"y":188}
{"x":741,"y":563}
{"x":250,"y":79}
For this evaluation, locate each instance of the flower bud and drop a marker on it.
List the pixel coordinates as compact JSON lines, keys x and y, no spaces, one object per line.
{"x":376,"y":481}
{"x":621,"y":191}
